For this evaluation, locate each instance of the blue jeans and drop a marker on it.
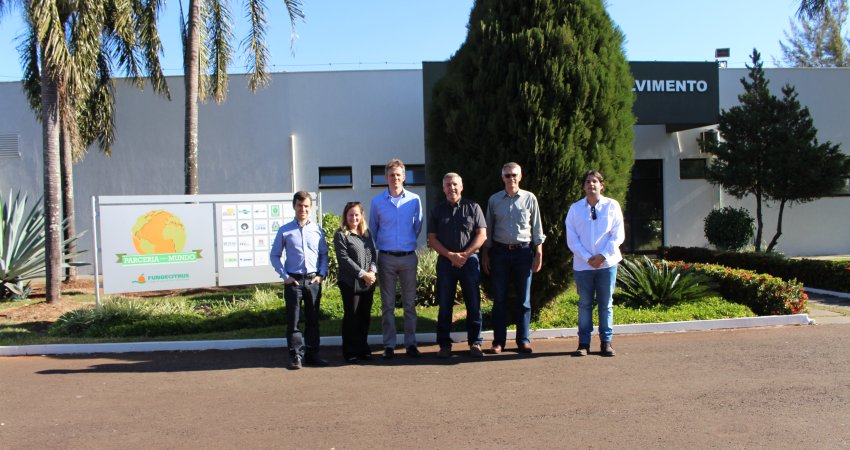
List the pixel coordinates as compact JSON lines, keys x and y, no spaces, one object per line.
{"x":447,"y":278}
{"x":511,"y":267}
{"x":598,"y":285}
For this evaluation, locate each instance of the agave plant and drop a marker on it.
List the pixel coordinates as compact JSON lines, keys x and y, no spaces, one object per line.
{"x":22,"y":243}
{"x":643,"y":282}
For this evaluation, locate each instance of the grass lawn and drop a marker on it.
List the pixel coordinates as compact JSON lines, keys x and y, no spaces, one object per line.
{"x":257,"y":312}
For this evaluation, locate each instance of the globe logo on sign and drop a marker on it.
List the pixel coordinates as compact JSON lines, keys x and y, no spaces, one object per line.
{"x":158,"y":232}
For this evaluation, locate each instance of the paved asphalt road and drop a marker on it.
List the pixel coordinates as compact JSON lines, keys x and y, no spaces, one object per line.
{"x":786,"y":387}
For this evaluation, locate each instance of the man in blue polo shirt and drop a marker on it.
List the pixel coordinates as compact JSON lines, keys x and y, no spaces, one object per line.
{"x":299,"y":255}
{"x":395,"y":217}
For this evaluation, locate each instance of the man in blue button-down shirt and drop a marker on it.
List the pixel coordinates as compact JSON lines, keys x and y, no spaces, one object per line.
{"x":395,"y":217}
{"x":300,"y":256}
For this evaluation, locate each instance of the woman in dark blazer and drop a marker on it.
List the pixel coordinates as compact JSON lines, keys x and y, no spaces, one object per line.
{"x":357,"y":258}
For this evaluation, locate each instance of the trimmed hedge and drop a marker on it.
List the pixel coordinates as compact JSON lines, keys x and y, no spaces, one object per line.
{"x":764,"y":294}
{"x":829,"y":275}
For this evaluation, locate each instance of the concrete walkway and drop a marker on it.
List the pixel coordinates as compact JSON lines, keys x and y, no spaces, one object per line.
{"x":827,"y":309}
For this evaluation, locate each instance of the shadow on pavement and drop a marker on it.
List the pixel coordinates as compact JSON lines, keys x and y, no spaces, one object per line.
{"x":215,"y":360}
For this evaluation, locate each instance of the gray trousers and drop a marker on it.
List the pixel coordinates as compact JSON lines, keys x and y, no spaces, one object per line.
{"x":403,"y":269}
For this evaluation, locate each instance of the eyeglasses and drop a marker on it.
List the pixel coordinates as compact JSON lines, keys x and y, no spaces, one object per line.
{"x":510,"y":175}
{"x":593,"y":212}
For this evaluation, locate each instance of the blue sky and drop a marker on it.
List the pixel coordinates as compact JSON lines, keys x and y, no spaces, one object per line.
{"x":399,"y":34}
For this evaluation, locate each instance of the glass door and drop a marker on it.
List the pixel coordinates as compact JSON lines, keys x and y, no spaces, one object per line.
{"x":644,"y":214}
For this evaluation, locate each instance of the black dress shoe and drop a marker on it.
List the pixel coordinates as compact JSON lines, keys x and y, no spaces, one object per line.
{"x":351,"y":359}
{"x":315,"y":361}
{"x":413,"y":352}
{"x":294,"y":362}
{"x":389,"y":353}
{"x":365,"y":357}
{"x":606,"y":349}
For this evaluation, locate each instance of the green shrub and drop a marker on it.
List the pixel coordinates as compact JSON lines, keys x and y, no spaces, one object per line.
{"x":764,"y":294}
{"x":830,"y":275}
{"x":426,"y":279}
{"x":642,"y":282}
{"x":96,"y":322}
{"x":330,"y":225}
{"x":122,"y":317}
{"x":729,"y":228}
{"x":22,"y":243}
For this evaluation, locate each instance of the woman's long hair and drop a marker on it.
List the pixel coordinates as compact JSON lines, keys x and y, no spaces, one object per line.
{"x":362,"y":227}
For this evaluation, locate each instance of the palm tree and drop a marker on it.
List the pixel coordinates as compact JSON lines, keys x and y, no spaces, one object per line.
{"x":67,"y":57}
{"x":206,"y":54}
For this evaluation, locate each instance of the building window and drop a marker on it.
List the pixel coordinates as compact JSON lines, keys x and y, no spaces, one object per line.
{"x":709,"y":137}
{"x":335,"y":177}
{"x":414,"y":175}
{"x":692,"y":169}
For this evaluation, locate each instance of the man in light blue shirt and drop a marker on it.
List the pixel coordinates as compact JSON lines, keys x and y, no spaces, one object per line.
{"x":395,"y":216}
{"x":595,"y":232}
{"x":299,"y":255}
{"x":512,"y":253}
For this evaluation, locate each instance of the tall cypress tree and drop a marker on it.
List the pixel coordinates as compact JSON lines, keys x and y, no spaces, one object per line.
{"x":544,"y":83}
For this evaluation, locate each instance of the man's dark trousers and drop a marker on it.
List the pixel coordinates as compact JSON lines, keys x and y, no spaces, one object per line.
{"x":447,"y":278}
{"x":310,"y":294}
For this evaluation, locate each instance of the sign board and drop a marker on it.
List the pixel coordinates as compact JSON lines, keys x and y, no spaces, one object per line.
{"x":164,"y":242}
{"x":680,"y":95}
{"x":245,"y":232}
{"x":154,"y":247}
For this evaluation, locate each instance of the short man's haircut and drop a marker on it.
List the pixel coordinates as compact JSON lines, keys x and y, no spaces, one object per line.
{"x":451,"y":175}
{"x":511,"y":166}
{"x":301,"y":196}
{"x":593,"y":173}
{"x":392,"y":164}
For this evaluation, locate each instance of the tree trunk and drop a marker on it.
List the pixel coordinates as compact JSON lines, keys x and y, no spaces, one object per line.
{"x":70,"y":230}
{"x":775,"y":239}
{"x":191,"y":75}
{"x":52,"y":189}
{"x":759,"y":222}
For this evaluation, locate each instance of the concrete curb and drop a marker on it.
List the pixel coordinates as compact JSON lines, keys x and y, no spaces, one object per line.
{"x":825,"y":292}
{"x":128,"y":347}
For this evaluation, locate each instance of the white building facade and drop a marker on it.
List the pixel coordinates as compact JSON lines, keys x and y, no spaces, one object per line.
{"x":333,"y":132}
